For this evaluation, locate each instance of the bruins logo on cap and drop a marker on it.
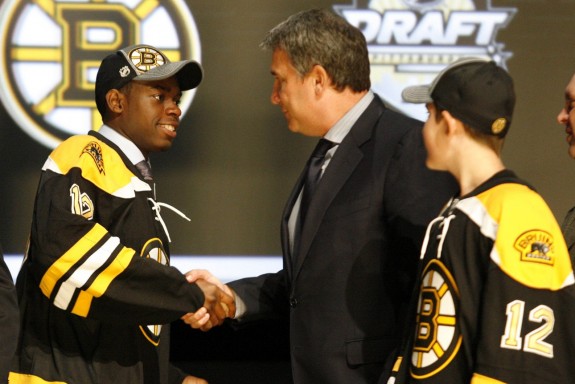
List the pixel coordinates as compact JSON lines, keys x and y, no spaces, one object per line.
{"x":146,"y":58}
{"x":498,"y":125}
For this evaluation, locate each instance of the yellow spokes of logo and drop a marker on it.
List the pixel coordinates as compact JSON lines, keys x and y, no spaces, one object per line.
{"x":437,"y":337}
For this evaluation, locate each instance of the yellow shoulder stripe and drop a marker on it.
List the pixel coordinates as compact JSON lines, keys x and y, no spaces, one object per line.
{"x":20,"y":378}
{"x":99,"y":163}
{"x":529,"y":246}
{"x":480,"y":379}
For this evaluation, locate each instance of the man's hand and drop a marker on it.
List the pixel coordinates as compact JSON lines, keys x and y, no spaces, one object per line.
{"x":219,"y":301}
{"x":196,"y":274}
{"x":198,"y":319}
{"x":193,"y":380}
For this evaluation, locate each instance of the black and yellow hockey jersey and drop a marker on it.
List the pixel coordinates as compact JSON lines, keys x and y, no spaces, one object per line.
{"x":495,"y":298}
{"x":96,"y":284}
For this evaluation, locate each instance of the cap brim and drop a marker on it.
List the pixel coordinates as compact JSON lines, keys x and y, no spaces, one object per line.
{"x":188,"y":72}
{"x":417,"y":94}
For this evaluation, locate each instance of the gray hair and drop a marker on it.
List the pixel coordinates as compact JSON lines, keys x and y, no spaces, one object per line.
{"x":320,"y":37}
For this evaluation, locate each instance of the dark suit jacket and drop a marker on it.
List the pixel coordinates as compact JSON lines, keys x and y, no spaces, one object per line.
{"x":346,"y":290}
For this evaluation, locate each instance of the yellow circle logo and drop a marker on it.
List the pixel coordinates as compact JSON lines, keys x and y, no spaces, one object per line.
{"x":498,"y":125}
{"x":51,"y":51}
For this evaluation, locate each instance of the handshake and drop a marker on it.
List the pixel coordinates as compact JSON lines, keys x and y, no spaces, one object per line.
{"x":219,"y":301}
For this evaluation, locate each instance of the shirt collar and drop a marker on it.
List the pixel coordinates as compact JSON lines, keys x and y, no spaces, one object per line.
{"x":340,"y":130}
{"x":129,"y":149}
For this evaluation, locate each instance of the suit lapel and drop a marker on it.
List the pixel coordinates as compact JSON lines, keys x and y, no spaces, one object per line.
{"x":342,"y":165}
{"x":288,"y":257}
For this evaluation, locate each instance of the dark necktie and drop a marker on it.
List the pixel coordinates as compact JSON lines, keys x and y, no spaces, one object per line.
{"x":145,"y":169}
{"x":313,"y":175}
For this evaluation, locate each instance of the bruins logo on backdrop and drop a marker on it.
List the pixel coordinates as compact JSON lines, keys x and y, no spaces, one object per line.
{"x":154,"y":250}
{"x":51,"y":51}
{"x":410,"y":41}
{"x":437,"y":338}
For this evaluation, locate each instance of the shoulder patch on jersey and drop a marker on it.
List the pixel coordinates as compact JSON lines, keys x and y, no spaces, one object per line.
{"x":95,"y":151}
{"x":536,"y":246}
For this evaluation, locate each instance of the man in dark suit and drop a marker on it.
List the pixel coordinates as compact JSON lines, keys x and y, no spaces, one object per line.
{"x":349,"y":264}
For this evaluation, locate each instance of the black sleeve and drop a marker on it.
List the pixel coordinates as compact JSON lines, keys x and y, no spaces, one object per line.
{"x":265,"y":296}
{"x":9,"y":319}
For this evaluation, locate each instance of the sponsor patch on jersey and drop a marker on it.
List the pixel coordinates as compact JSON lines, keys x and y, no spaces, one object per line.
{"x":536,"y":246}
{"x":95,"y":151}
{"x":437,"y":336}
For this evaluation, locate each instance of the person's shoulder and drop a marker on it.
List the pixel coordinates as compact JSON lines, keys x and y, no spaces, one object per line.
{"x":400,"y":118}
{"x":85,"y":151}
{"x":401,"y":126}
{"x":510,"y":194}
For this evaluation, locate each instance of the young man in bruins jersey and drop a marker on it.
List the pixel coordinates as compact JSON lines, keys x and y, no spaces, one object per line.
{"x":494,"y":301}
{"x":96,"y":284}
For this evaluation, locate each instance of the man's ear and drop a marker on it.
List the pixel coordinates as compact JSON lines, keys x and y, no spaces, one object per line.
{"x":452,"y":124}
{"x":320,"y":79}
{"x":115,"y":100}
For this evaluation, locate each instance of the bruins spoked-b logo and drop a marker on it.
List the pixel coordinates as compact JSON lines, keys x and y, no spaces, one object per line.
{"x":154,"y":250}
{"x":145,"y":59}
{"x":437,"y":338}
{"x":411,"y":41}
{"x":51,"y":51}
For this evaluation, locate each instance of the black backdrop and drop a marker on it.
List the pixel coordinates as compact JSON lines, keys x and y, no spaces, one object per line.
{"x":234,"y":162}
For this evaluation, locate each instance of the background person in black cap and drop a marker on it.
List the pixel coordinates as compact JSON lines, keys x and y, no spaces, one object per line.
{"x":495,"y":300}
{"x":95,"y":285}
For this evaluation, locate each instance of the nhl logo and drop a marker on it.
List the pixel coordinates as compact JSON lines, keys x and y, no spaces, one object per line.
{"x":411,"y":41}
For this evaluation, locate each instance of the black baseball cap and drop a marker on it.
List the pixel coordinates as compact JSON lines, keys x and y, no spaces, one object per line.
{"x":142,"y":63}
{"x":474,"y":90}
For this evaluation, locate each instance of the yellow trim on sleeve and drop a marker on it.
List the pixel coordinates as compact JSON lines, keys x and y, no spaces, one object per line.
{"x":480,"y":379}
{"x":20,"y":378}
{"x":82,"y":305}
{"x":104,"y":279}
{"x":71,"y":257}
{"x":397,"y":364}
{"x":102,"y":282}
